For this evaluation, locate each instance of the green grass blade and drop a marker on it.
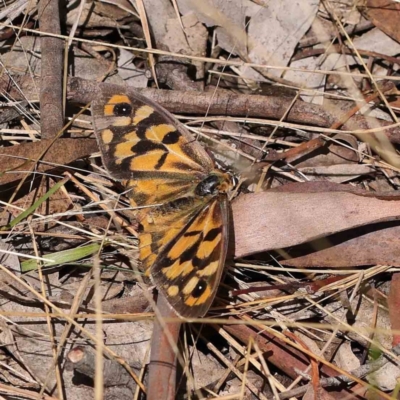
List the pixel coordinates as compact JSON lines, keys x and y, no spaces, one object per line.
{"x":62,"y":257}
{"x":34,"y":206}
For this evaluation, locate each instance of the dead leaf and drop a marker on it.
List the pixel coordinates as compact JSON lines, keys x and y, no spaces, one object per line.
{"x":370,"y":245}
{"x":97,"y":14}
{"x":275,"y":30}
{"x":14,"y":162}
{"x":227,"y":15}
{"x":294,"y":218}
{"x":383,"y":14}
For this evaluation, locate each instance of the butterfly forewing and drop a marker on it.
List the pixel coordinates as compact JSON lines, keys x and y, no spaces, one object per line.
{"x":139,"y":139}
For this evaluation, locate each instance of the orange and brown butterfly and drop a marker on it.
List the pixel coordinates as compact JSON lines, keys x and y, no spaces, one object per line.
{"x":180,"y":197}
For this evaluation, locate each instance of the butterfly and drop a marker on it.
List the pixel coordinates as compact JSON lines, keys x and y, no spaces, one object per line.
{"x":180,"y":196}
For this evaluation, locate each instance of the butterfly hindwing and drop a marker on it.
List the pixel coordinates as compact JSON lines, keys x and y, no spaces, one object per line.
{"x":188,"y":269}
{"x":161,"y":225}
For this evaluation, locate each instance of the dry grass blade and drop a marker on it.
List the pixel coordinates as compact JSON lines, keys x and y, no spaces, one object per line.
{"x":146,"y":30}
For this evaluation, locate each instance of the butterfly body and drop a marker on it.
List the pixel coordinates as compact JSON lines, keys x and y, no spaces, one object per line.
{"x":180,"y":197}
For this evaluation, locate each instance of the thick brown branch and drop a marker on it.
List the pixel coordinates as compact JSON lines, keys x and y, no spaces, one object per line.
{"x":162,"y":367}
{"x":51,"y":105}
{"x":224,"y":103}
{"x":207,"y":103}
{"x":234,"y":105}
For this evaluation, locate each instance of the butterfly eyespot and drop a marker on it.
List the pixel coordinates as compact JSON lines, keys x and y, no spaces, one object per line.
{"x":171,"y":137}
{"x":122,"y":109}
{"x":199,"y":289}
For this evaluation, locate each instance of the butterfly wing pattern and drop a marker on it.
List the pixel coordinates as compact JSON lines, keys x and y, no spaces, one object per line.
{"x":180,"y":197}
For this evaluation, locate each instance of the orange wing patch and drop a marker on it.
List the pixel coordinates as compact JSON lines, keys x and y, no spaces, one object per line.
{"x":142,"y":113}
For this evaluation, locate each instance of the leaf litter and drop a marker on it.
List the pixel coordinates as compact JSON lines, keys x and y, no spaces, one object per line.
{"x":309,"y":304}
